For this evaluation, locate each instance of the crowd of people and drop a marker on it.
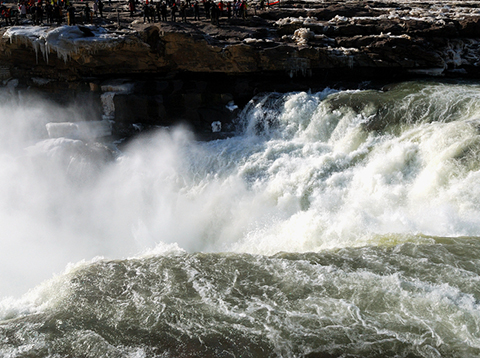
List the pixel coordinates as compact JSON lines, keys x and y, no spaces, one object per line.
{"x":52,"y":12}
{"x":170,"y":9}
{"x":60,"y":11}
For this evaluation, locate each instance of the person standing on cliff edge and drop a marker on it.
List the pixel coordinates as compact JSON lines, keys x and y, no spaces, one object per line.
{"x":243,"y":9}
{"x":164,"y":11}
{"x":71,"y":15}
{"x":100,"y":7}
{"x":7,"y":14}
{"x":183,"y":11}
{"x":57,"y":14}
{"x":207,"y":6}
{"x":2,"y":11}
{"x":131,"y":7}
{"x":196,"y":11}
{"x":49,"y":12}
{"x":95,"y":8}
{"x":173,"y":9}
{"x":23,"y":10}
{"x":38,"y":13}
{"x":87,"y":14}
{"x":146,"y":12}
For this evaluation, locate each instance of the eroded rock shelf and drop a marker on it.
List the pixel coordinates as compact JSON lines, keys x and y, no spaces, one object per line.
{"x":192,"y":71}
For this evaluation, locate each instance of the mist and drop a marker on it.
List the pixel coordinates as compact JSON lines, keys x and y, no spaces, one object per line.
{"x":72,"y":198}
{"x":306,"y":175}
{"x":55,"y":208}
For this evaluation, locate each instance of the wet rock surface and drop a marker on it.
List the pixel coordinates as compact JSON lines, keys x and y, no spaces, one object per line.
{"x":193,"y":71}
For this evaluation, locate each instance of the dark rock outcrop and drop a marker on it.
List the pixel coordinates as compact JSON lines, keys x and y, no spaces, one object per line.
{"x":189,"y":70}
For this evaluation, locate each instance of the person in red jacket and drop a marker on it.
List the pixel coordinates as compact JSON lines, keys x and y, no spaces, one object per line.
{"x":7,"y":15}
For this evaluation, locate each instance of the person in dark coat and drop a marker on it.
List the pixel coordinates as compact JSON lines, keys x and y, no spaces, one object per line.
{"x":87,"y":14}
{"x":100,"y":7}
{"x":173,"y":9}
{"x":164,"y":11}
{"x":196,"y":11}
{"x":38,"y":9}
{"x":131,"y":7}
{"x":207,"y":6}
{"x":183,"y":11}
{"x":49,"y":12}
{"x":71,"y":15}
{"x":146,"y":12}
{"x":214,"y":12}
{"x":57,"y":14}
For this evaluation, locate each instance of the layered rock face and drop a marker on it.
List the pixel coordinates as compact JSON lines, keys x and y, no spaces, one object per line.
{"x":184,"y":68}
{"x":350,"y":36}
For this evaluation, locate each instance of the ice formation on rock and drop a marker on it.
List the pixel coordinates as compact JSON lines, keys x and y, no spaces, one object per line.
{"x":109,"y":91}
{"x":216,"y":126}
{"x":87,"y":130}
{"x":64,"y":40}
{"x":296,"y":20}
{"x":302,"y":35}
{"x":297,"y":65}
{"x":108,"y":105}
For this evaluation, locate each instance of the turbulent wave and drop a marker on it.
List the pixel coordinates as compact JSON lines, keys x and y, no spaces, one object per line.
{"x":334,"y":224}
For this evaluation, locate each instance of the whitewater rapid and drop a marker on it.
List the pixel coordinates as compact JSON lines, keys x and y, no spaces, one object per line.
{"x":306,"y":172}
{"x":347,"y":214}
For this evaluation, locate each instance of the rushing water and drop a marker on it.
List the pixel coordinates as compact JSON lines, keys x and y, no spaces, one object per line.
{"x":335,"y":224}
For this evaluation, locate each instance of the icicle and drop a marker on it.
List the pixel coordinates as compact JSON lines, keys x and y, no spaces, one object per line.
{"x":64,"y":40}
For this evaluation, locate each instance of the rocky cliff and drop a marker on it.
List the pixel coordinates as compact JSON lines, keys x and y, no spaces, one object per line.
{"x":179,"y":69}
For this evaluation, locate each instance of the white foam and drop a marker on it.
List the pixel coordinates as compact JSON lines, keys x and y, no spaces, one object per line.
{"x":306,"y":175}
